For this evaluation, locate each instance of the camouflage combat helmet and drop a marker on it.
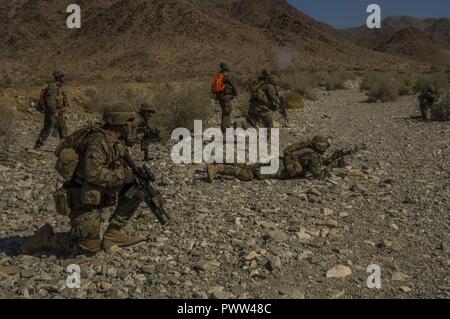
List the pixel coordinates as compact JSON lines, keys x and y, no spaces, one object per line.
{"x":146,"y":107}
{"x":265,"y":73}
{"x":431,"y":89}
{"x":118,"y":114}
{"x":321,"y":143}
{"x":58,"y":73}
{"x":224,"y":67}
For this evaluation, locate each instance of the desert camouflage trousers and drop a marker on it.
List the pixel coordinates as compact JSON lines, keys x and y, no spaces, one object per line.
{"x":426,"y":110}
{"x":51,"y":122}
{"x":226,"y":108}
{"x":260,"y":115}
{"x":247,"y":173}
{"x":85,"y":221}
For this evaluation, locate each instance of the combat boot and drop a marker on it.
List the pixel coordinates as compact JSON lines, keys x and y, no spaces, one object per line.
{"x":213,"y":170}
{"x":114,"y":237}
{"x":40,"y":241}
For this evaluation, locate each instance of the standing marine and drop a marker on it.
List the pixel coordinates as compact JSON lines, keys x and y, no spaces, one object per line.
{"x":299,"y":160}
{"x":428,"y":97}
{"x":224,"y":91}
{"x":265,"y":99}
{"x":100,"y":180}
{"x":54,"y":104}
{"x":147,"y":131}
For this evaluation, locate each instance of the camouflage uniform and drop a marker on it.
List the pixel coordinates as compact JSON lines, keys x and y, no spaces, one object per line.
{"x":100,"y":181}
{"x":427,"y":99}
{"x":225,"y":98}
{"x":56,"y":102}
{"x":299,"y":160}
{"x":264,"y":101}
{"x":149,"y":132}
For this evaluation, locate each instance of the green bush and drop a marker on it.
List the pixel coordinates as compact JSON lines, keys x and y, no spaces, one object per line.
{"x":383,"y":91}
{"x":6,"y":82}
{"x":335,"y":81}
{"x":180,"y":107}
{"x":439,"y":81}
{"x":302,"y":83}
{"x":294,"y":100}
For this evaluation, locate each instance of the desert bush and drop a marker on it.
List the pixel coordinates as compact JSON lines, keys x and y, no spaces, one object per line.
{"x":441,"y":109}
{"x":438,"y":80}
{"x":335,"y":81}
{"x":6,"y":82}
{"x":294,"y":100}
{"x":179,"y":108}
{"x":407,"y":86}
{"x":7,"y":130}
{"x":405,"y":90}
{"x":302,"y":83}
{"x":110,"y":92}
{"x":383,"y":91}
{"x":90,"y":92}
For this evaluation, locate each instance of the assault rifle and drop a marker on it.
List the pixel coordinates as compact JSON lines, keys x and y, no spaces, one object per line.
{"x":283,"y":111}
{"x":144,"y":179}
{"x":340,"y":154}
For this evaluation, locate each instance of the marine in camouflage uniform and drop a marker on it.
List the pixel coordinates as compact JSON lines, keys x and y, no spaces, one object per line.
{"x":264,"y":100}
{"x":299,"y":160}
{"x":101,"y":180}
{"x":147,"y":132}
{"x":426,"y":100}
{"x":225,"y":99}
{"x":55,"y":104}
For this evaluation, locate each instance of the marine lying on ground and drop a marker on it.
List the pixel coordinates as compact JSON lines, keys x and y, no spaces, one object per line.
{"x":52,"y":104}
{"x":224,"y":91}
{"x":299,"y":160}
{"x":91,"y":163}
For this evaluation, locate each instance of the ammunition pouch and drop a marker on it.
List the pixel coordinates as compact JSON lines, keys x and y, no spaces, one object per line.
{"x":91,"y":194}
{"x":62,"y":201}
{"x":67,"y":163}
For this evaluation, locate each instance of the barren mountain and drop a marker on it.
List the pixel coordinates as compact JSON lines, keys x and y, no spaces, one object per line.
{"x":426,"y":40}
{"x":167,"y":39}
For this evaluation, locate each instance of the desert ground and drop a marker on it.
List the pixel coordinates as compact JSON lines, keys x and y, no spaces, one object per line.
{"x":265,"y":239}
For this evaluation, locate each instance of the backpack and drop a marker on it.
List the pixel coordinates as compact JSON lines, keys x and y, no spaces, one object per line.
{"x":40,"y":107}
{"x":259,"y":95}
{"x":218,"y":85}
{"x":70,"y":149}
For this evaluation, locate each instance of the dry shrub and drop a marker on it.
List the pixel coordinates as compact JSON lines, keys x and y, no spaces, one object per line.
{"x":7,"y":130}
{"x":6,"y":82}
{"x":294,"y":100}
{"x":423,"y":81}
{"x":335,"y":81}
{"x":302,"y":83}
{"x":441,"y":109}
{"x":180,"y":107}
{"x":383,"y":91}
{"x":110,"y":93}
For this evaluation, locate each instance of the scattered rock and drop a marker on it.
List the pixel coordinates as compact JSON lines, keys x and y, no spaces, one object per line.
{"x":339,"y":271}
{"x":399,"y":276}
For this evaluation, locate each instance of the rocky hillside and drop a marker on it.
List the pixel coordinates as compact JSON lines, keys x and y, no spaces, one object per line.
{"x":419,"y":39}
{"x":159,"y":39}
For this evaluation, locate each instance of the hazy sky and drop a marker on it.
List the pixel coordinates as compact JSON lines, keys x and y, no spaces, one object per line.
{"x":350,"y":13}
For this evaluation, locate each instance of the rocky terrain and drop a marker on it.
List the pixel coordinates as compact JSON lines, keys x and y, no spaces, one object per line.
{"x":156,"y":40}
{"x":426,"y":40}
{"x":265,"y":239}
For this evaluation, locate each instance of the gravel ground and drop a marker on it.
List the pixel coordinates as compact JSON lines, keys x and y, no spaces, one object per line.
{"x":265,"y":239}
